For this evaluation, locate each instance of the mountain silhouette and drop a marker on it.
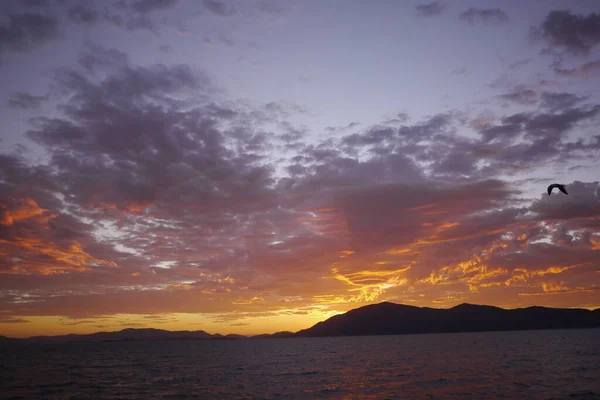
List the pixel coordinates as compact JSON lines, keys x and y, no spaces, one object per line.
{"x":392,"y":319}
{"x":276,"y":335}
{"x":129,"y":334}
{"x":377,"y":319}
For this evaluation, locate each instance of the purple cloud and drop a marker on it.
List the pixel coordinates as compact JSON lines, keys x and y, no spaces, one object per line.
{"x":430,"y":9}
{"x":487,"y":15}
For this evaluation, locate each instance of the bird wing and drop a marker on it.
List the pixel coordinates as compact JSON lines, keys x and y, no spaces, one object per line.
{"x":562,"y":189}
{"x":551,"y":187}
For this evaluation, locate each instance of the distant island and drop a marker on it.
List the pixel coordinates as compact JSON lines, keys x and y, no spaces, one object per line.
{"x":377,"y":319}
{"x":395,"y":319}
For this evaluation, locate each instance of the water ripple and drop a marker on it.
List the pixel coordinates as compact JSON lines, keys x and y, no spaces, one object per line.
{"x":495,"y":365}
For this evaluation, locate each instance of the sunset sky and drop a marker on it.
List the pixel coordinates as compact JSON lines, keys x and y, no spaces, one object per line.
{"x":257,"y":166}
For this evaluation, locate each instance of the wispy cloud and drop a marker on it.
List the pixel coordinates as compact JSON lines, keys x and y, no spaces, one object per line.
{"x":430,"y":9}
{"x":484,"y":15}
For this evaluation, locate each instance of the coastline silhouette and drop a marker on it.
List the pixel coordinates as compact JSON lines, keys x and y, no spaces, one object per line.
{"x":376,"y":319}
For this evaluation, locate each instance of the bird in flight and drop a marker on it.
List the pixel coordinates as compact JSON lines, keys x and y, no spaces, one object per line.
{"x":557,"y":185}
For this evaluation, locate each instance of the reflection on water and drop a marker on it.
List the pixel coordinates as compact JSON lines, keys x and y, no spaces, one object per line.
{"x":515,"y":365}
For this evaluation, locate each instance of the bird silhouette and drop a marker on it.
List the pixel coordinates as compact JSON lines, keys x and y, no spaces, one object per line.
{"x":557,"y":185}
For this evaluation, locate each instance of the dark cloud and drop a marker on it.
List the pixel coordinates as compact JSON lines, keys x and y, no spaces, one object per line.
{"x":35,"y":3}
{"x":522,"y":97}
{"x":519,"y":63}
{"x":507,"y":131}
{"x":79,"y":322}
{"x":384,"y":139}
{"x":219,"y":38}
{"x":372,"y":137}
{"x":25,"y":101}
{"x":582,"y":204}
{"x":429,"y":9}
{"x":389,"y":215}
{"x":127,"y":16}
{"x":145,"y":6}
{"x":219,"y":8}
{"x":458,"y":71}
{"x":571,"y":33}
{"x":165,"y":48}
{"x":455,"y":162}
{"x":27,"y":31}
{"x":140,"y":22}
{"x":82,"y":14}
{"x":488,"y":15}
{"x":269,"y":7}
{"x":586,"y":71}
{"x":551,"y":125}
{"x":560,"y":101}
{"x":95,"y":56}
{"x":554,"y":125}
{"x":12,"y":320}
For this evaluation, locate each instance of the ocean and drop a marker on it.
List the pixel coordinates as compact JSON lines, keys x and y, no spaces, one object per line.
{"x":551,"y":364}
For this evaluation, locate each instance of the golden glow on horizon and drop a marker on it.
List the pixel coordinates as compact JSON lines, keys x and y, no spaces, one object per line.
{"x":276,"y":321}
{"x":356,"y":278}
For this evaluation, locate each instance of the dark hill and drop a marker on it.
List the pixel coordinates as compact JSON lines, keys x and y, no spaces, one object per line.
{"x":389,"y":318}
{"x":276,"y":335}
{"x":129,"y":334}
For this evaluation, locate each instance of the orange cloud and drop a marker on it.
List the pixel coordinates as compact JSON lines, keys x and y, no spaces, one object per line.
{"x":27,"y":208}
{"x":59,"y":260}
{"x":127,"y":206}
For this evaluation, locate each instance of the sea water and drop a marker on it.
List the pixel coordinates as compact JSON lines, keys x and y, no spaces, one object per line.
{"x":550,"y":364}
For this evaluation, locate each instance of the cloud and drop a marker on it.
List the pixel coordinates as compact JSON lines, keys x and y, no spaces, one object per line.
{"x":194,"y":166}
{"x":35,"y":3}
{"x":458,"y":71}
{"x":219,"y":8}
{"x":488,"y":15}
{"x":146,"y":6}
{"x":27,"y":31}
{"x":560,"y":101}
{"x":582,"y":204}
{"x":82,"y":14}
{"x":95,"y":56}
{"x":586,"y":71}
{"x":165,"y":48}
{"x":34,"y":236}
{"x":548,"y":125}
{"x":269,"y":7}
{"x":522,"y":97}
{"x":429,"y":9}
{"x":25,"y":101}
{"x":391,"y":215}
{"x":519,"y":63}
{"x":130,"y":16}
{"x":151,"y":166}
{"x":12,"y":320}
{"x":570,"y":33}
{"x":77,"y":322}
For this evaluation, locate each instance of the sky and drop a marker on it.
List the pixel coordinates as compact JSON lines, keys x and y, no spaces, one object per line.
{"x":259,"y":166}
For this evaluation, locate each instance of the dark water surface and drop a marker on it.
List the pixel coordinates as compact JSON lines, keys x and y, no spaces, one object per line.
{"x":559,"y":364}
